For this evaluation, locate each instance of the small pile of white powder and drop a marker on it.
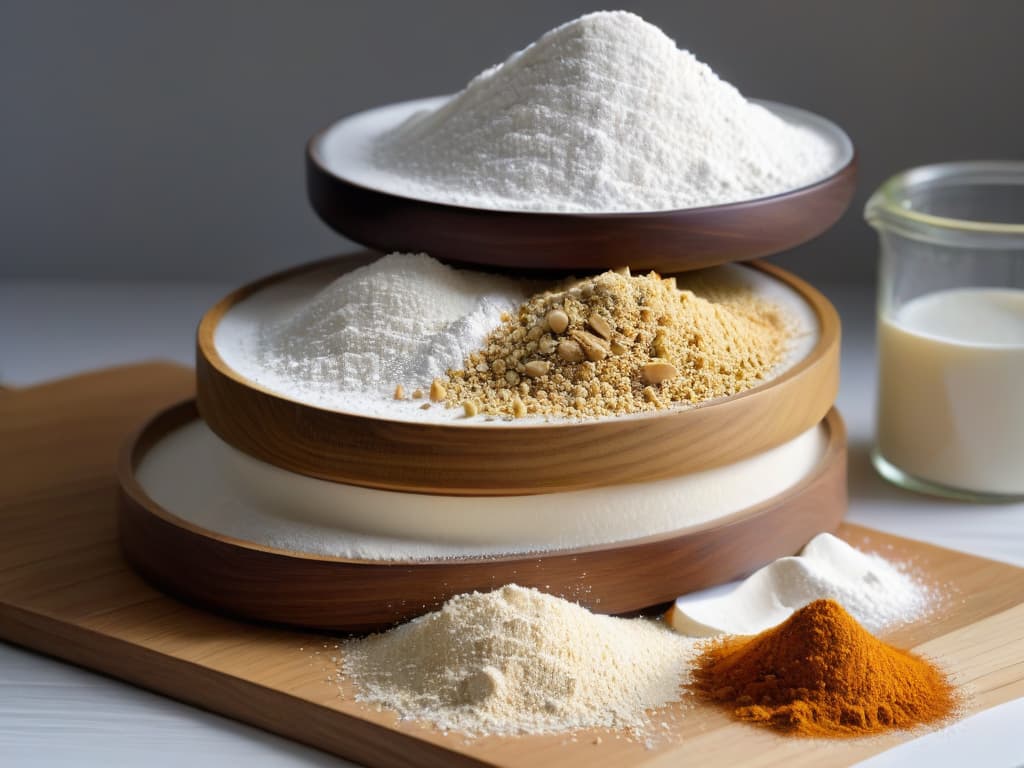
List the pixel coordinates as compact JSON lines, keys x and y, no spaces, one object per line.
{"x":516,"y":660}
{"x":601,"y":114}
{"x":404,"y":319}
{"x":876,"y":592}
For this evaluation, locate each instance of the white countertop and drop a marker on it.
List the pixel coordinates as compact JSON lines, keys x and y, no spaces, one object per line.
{"x":54,"y":714}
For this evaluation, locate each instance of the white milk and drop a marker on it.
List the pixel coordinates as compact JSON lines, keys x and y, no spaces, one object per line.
{"x":951,"y":389}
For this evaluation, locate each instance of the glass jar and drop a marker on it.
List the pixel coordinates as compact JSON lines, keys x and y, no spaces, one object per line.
{"x":950,"y":416}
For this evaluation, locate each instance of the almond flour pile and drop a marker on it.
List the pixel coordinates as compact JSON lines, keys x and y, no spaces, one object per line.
{"x":618,"y":343}
{"x":517,"y":660}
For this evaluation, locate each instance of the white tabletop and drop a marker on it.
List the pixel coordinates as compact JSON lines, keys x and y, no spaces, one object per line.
{"x":54,"y":714}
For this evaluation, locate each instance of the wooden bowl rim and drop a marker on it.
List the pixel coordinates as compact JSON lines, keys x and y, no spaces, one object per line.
{"x":315,"y":158}
{"x":171,"y":418}
{"x":828,"y":324}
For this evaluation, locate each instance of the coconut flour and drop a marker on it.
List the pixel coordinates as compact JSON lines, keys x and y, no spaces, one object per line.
{"x":516,"y":660}
{"x":601,"y":114}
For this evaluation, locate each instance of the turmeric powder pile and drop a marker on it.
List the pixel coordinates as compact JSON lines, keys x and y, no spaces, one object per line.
{"x":821,"y":674}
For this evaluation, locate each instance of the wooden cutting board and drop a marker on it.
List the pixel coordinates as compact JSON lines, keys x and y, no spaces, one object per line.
{"x":65,"y":591}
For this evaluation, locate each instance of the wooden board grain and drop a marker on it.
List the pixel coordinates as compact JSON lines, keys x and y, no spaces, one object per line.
{"x":66,"y":591}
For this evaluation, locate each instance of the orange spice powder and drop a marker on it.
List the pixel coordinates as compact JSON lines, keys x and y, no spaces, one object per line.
{"x":821,"y":674}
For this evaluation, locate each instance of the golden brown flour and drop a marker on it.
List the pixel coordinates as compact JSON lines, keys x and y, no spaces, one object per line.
{"x":517,"y":660}
{"x":618,"y":343}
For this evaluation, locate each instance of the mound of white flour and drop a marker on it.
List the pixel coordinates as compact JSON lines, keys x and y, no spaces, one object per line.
{"x":403,"y":319}
{"x":601,"y":114}
{"x":879,"y":594}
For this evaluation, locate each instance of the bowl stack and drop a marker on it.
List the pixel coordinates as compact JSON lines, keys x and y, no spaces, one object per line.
{"x":257,"y":504}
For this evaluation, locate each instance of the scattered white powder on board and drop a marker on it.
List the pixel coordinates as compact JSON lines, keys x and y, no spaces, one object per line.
{"x":876,"y":592}
{"x":402,"y":319}
{"x":517,"y":660}
{"x":603,"y":113}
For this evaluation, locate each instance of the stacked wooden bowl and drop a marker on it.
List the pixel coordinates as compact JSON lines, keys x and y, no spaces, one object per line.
{"x":199,"y":477}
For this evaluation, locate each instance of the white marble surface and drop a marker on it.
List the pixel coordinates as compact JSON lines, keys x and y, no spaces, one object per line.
{"x":52,"y":714}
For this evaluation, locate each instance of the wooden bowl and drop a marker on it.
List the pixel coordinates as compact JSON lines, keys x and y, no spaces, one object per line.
{"x":502,"y":459}
{"x":258,"y":582}
{"x":362,"y":209}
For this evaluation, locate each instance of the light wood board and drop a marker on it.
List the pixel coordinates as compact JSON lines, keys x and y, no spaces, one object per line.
{"x":65,"y":591}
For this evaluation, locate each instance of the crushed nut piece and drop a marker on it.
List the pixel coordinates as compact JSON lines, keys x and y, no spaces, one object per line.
{"x":536,"y":368}
{"x":437,"y":391}
{"x":600,"y":326}
{"x":557,"y":320}
{"x":657,"y":372}
{"x":518,"y":407}
{"x":594,"y":347}
{"x":570,"y":351}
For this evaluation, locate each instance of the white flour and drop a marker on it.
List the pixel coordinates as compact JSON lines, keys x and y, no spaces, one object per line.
{"x":516,"y":660}
{"x":403,"y":319}
{"x":875,"y":592}
{"x":601,"y":114}
{"x":241,"y":497}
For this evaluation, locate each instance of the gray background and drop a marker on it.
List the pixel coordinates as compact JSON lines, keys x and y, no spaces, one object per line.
{"x":143,"y":140}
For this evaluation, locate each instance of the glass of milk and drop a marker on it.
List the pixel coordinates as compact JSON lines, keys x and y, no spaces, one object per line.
{"x":950,"y":415}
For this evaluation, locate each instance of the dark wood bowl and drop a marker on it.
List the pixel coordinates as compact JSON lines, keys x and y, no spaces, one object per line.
{"x":501,"y":459}
{"x":666,"y":241}
{"x":254,"y":581}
